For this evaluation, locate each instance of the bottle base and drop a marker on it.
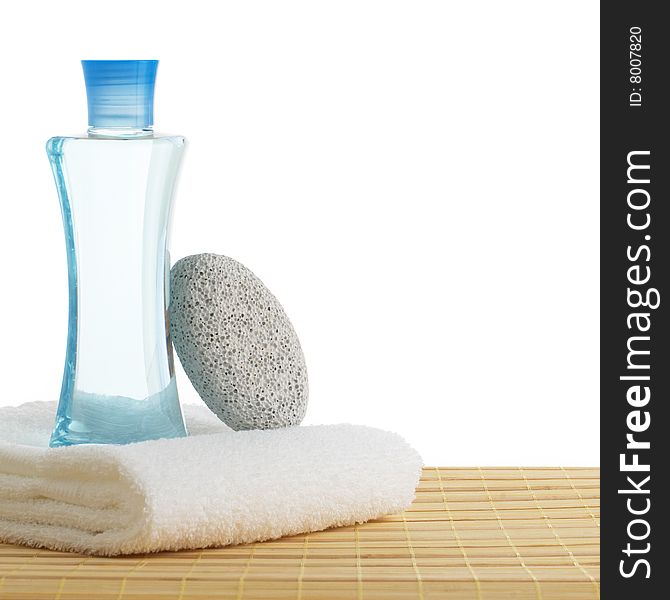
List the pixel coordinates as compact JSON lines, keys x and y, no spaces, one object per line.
{"x":87,"y":418}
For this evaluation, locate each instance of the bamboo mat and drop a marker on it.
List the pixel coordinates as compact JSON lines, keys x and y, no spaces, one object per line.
{"x":472,"y":533}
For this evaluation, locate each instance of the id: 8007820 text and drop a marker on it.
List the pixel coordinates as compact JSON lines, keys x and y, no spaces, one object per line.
{"x":635,"y":66}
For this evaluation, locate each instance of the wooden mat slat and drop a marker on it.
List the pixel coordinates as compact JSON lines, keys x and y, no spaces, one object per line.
{"x":472,"y":534}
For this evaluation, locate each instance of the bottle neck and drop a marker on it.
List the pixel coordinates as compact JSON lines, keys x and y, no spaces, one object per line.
{"x":120,"y":132}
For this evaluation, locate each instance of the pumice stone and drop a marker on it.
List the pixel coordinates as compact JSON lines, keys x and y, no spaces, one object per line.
{"x":236,"y":344}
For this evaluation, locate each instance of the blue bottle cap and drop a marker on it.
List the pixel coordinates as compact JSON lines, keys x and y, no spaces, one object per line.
{"x":120,"y":92}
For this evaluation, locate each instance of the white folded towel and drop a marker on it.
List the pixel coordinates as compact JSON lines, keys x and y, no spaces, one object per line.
{"x":213,"y":488}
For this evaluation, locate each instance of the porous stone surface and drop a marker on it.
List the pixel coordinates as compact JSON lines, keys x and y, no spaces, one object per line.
{"x":236,"y":344}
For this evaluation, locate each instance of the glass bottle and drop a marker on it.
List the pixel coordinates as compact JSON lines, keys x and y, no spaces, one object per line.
{"x":115,"y":186}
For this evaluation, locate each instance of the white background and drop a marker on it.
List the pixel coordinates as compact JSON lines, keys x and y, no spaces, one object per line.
{"x":417,"y":182}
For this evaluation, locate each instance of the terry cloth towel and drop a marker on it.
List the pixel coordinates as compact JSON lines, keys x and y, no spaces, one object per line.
{"x":213,"y":488}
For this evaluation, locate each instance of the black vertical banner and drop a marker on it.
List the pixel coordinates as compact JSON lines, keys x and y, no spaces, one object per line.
{"x":635,"y":296}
